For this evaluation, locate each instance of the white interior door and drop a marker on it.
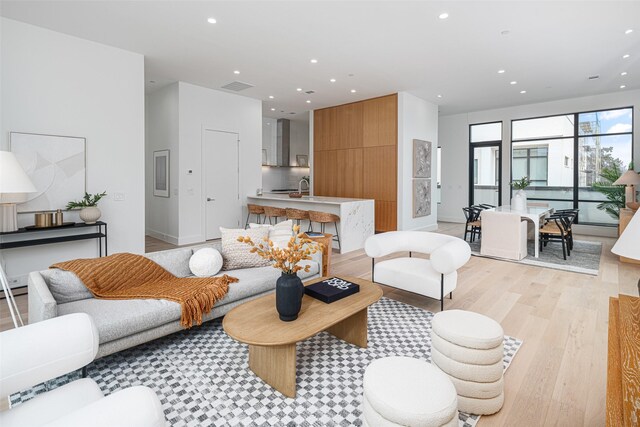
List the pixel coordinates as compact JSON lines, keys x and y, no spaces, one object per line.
{"x":221,"y":182}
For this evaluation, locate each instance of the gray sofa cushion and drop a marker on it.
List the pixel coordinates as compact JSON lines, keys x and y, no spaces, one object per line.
{"x":175,"y":261}
{"x":65,"y":286}
{"x":120,"y":318}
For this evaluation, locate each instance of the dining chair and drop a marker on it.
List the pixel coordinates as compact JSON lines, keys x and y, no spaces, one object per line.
{"x":473,"y":224}
{"x":558,"y":228}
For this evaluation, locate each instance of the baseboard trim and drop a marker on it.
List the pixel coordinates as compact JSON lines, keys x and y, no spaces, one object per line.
{"x":161,"y":236}
{"x":451,"y":219}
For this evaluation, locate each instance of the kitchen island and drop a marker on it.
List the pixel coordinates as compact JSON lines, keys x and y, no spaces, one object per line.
{"x":356,"y":215}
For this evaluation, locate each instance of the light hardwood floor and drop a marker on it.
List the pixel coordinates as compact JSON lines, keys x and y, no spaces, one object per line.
{"x":559,"y":375}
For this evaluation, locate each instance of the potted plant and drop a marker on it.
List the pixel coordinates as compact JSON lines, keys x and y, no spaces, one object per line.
{"x":520,"y":198}
{"x":88,"y":206}
{"x":289,"y":287}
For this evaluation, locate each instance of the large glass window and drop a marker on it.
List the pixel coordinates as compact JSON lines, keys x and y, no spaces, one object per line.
{"x":485,"y":171}
{"x":571,"y":158}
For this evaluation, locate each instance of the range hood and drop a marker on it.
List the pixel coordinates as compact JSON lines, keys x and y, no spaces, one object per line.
{"x":283,"y":142}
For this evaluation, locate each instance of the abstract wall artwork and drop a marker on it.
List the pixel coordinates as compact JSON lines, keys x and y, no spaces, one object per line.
{"x":161,"y":173}
{"x":421,"y":159}
{"x":55,"y":164}
{"x":421,"y":197}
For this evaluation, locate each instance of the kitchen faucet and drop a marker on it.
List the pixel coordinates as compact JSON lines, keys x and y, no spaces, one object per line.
{"x":300,"y":185}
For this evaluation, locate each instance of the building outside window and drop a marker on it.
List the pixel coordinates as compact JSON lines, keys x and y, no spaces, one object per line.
{"x":566,"y":155}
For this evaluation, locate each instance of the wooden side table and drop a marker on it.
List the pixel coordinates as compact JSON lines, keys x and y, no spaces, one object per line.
{"x":326,"y":240}
{"x":625,"y":216}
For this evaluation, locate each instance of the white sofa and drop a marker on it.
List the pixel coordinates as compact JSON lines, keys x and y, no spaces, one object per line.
{"x":434,"y":277}
{"x":40,"y":352}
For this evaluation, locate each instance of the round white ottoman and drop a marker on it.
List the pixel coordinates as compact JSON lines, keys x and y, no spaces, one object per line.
{"x":465,"y":354}
{"x":468,"y":329}
{"x":469,"y":348}
{"x":403,"y":391}
{"x":481,"y":406}
{"x":466,"y":371}
{"x":475,"y":389}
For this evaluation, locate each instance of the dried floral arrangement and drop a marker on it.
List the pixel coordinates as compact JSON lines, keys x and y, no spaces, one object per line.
{"x":298,"y":248}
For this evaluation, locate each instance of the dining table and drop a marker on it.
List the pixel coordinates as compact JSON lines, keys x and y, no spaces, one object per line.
{"x":535,"y":214}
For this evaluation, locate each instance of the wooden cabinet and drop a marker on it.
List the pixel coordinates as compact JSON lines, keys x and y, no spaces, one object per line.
{"x":355,"y":154}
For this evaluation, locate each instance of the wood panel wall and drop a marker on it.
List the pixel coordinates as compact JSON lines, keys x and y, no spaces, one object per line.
{"x":356,"y":154}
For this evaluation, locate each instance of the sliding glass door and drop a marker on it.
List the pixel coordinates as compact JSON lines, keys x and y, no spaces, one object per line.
{"x":485,"y":168}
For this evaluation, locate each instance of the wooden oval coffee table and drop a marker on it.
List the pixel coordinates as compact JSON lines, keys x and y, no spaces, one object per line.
{"x":272,"y":342}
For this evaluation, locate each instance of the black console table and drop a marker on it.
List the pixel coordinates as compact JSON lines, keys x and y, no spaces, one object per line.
{"x":74,"y":232}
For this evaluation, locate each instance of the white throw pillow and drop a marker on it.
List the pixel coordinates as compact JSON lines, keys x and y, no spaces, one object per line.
{"x":279,"y":234}
{"x":205,"y":262}
{"x":238,"y":255}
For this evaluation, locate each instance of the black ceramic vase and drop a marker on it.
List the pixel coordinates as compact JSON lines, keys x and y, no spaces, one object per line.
{"x":289,"y":293}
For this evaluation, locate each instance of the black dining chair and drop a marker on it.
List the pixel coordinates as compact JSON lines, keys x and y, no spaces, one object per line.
{"x":558,"y":228}
{"x":473,"y":224}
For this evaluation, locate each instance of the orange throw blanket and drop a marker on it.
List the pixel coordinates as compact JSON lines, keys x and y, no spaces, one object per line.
{"x":129,"y":276}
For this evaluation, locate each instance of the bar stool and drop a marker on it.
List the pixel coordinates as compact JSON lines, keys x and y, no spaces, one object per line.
{"x":324,"y":218}
{"x":272,"y":212}
{"x":298,"y":215}
{"x":257,"y":210}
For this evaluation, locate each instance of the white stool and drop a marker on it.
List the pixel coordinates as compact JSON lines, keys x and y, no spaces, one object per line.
{"x":403,"y":391}
{"x":469,"y":348}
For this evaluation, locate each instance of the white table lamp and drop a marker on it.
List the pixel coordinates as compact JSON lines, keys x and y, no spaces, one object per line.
{"x":630,"y":178}
{"x":14,"y":186}
{"x":628,"y":244}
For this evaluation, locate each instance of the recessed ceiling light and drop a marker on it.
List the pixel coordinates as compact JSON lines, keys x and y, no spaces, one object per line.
{"x":514,"y":82}
{"x":299,"y":89}
{"x":629,"y":31}
{"x":270,"y":96}
{"x":353,"y":91}
{"x":273,"y":109}
{"x":523,"y":91}
{"x":439,"y":96}
{"x":625,"y":56}
{"x":308,"y":101}
{"x":236,"y":72}
{"x":332,"y":80}
{"x":622,"y":86}
{"x":500,"y":71}
{"x":505,"y":32}
{"x":624,"y":73}
{"x":211,"y":20}
{"x":314,"y":61}
{"x":443,"y":15}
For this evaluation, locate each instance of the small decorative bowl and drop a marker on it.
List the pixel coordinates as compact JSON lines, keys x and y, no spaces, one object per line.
{"x":633,"y":205}
{"x":295,"y":195}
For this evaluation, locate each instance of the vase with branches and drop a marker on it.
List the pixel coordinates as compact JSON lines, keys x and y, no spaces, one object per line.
{"x":289,"y":287}
{"x":520,"y":198}
{"x":88,"y":206}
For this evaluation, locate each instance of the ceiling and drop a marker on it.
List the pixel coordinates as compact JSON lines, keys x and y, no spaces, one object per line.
{"x":549,"y":48}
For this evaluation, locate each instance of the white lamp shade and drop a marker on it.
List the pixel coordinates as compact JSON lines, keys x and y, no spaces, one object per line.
{"x":628,"y":244}
{"x":14,"y":182}
{"x":630,"y":177}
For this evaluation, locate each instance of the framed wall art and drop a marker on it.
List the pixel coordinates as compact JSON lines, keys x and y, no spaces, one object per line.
{"x":421,"y":197}
{"x":56,"y":166}
{"x":161,"y":173}
{"x":421,"y":159}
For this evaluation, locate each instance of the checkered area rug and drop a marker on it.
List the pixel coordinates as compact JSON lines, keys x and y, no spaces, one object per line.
{"x":202,"y":378}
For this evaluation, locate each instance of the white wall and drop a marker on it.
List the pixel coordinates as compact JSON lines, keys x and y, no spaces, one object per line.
{"x":454,"y":140}
{"x":417,"y":119}
{"x":201,"y":108}
{"x":56,"y":84}
{"x":162,"y":134}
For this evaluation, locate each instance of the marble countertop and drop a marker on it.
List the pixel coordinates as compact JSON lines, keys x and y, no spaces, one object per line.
{"x":308,"y":199}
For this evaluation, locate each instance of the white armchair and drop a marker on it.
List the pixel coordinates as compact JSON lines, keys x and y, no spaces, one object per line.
{"x":434,"y":277}
{"x":504,"y":235}
{"x":42,"y":351}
